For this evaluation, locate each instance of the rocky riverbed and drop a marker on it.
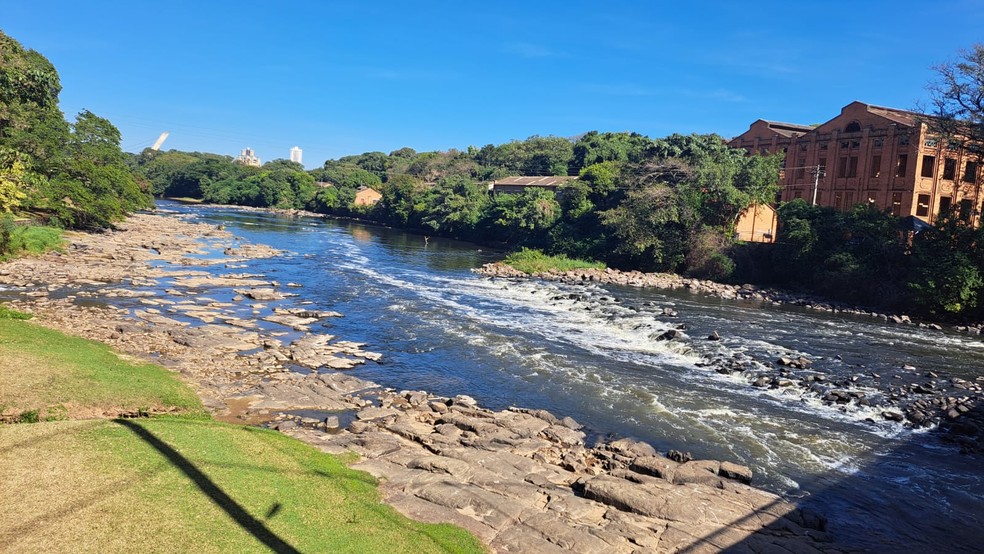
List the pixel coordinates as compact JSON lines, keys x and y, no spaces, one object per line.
{"x":523,"y":480}
{"x":912,"y":398}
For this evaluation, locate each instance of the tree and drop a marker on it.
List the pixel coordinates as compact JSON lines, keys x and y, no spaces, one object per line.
{"x":957,"y":99}
{"x":594,"y":147}
{"x":546,"y":155}
{"x":455,"y":206}
{"x":281,"y":163}
{"x":404,"y":201}
{"x":525,"y":217}
{"x":648,"y":225}
{"x":14,"y":179}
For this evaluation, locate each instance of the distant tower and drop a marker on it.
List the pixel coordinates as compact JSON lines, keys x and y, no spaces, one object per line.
{"x":295,"y":154}
{"x":248,"y":157}
{"x":160,"y":141}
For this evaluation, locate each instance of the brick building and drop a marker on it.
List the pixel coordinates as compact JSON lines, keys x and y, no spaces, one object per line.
{"x":884,"y":157}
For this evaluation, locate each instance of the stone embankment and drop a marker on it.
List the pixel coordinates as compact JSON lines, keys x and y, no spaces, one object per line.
{"x":523,"y":480}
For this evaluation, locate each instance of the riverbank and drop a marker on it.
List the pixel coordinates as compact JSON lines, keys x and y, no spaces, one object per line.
{"x":114,"y":434}
{"x":952,"y":404}
{"x":515,"y":477}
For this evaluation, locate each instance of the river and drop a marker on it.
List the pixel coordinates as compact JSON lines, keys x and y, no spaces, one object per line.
{"x":589,"y":352}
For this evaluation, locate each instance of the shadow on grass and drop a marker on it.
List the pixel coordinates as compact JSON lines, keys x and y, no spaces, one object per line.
{"x":249,"y":523}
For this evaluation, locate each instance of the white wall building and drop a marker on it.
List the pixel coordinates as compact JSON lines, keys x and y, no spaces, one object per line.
{"x":295,"y":154}
{"x":248,"y":157}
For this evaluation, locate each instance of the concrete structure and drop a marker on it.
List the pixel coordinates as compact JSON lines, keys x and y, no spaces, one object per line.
{"x":884,"y":157}
{"x":513,"y":185}
{"x":248,"y":157}
{"x":757,"y":224}
{"x":296,"y":154}
{"x":367,"y":197}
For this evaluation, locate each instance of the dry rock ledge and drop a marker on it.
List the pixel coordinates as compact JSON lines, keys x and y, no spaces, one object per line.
{"x":522,"y":480}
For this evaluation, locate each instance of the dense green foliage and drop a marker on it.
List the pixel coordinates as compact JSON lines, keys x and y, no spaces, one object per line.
{"x":67,"y":174}
{"x":872,"y":258}
{"x":668,"y":204}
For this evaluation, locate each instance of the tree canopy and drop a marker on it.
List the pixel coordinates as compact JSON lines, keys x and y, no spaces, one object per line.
{"x":73,"y":175}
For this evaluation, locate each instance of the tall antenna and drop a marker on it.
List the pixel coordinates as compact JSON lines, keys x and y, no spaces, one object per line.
{"x":160,"y":141}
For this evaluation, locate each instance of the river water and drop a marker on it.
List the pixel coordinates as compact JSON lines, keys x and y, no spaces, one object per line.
{"x":590,"y":353}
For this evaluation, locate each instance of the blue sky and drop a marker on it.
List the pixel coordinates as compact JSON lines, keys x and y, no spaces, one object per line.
{"x":339,"y":78}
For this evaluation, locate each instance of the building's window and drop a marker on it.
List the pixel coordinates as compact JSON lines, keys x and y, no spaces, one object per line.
{"x":845,"y":144}
{"x":853,"y":127}
{"x":928,"y":166}
{"x":896,"y":204}
{"x":852,"y":166}
{"x":823,"y":146}
{"x":966,"y":207}
{"x":970,"y":172}
{"x":801,"y":168}
{"x":855,"y":143}
{"x":944,"y":211}
{"x":842,"y":167}
{"x":822,"y":165}
{"x":953,"y":145}
{"x":764,"y":151}
{"x":872,"y":198}
{"x":901,"y":165}
{"x":797,"y":194}
{"x":848,"y":199}
{"x":838,"y":200}
{"x":878,"y":142}
{"x":875,"y":165}
{"x":949,"y":169}
{"x":904,"y":140}
{"x":803,"y":147}
{"x":931,"y":143}
{"x":922,"y":205}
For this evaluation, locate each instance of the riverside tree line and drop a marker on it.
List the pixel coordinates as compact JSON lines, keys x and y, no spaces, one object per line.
{"x":664,"y":204}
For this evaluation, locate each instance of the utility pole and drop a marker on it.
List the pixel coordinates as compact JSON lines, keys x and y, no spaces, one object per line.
{"x":817,"y":173}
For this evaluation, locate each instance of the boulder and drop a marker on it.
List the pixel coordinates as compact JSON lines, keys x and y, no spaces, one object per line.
{"x":735,"y":472}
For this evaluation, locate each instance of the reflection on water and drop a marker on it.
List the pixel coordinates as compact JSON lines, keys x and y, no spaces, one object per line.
{"x":591,"y":353}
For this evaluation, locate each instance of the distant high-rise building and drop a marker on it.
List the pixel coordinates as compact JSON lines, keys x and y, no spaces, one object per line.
{"x":295,"y":154}
{"x":248,"y":157}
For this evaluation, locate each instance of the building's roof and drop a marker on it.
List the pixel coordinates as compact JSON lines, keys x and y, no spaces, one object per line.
{"x":904,"y":117}
{"x":788,"y":129}
{"x":546,"y":181}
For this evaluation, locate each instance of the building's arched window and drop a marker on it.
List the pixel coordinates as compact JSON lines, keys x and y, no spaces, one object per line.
{"x":853,"y":127}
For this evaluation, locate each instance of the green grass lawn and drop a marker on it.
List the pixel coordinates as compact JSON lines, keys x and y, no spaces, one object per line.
{"x":176,"y":483}
{"x":534,"y":261}
{"x":51,"y":375}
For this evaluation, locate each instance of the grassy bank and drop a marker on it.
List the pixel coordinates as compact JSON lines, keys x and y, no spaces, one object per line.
{"x":17,"y":240}
{"x":534,"y":261}
{"x":48,"y":375}
{"x":175,"y":483}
